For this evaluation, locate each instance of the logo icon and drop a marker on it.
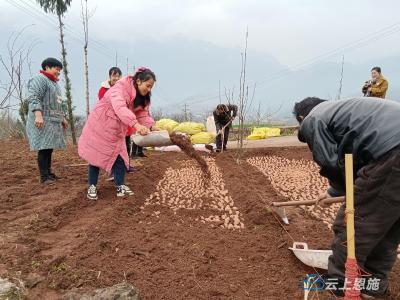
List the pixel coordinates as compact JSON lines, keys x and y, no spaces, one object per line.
{"x":313,"y":282}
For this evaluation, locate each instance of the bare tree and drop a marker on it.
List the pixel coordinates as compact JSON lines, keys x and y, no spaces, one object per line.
{"x":60,"y":7}
{"x":258,"y":114}
{"x":264,"y":116}
{"x":17,"y":66}
{"x":10,"y":127}
{"x":157,"y":114}
{"x":178,"y":117}
{"x":245,"y":100}
{"x":85,"y":23}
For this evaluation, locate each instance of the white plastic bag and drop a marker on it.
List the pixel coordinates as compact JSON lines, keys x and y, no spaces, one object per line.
{"x":153,"y":139}
{"x":210,"y":125}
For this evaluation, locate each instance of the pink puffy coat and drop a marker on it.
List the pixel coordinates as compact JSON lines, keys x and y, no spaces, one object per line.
{"x":103,"y":136}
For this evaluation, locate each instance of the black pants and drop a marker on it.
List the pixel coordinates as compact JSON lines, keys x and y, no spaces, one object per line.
{"x":128,"y":144}
{"x":136,"y":149}
{"x":219,"y":138}
{"x":44,"y":163}
{"x":377,"y":223}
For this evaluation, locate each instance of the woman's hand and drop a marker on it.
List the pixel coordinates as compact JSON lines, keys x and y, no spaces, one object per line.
{"x":64,"y":124}
{"x":39,"y":119}
{"x":143,"y":130}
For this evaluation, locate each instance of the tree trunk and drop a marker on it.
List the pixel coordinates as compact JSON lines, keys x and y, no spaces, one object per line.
{"x":68,"y":94}
{"x":22,"y":103}
{"x":23,"y":111}
{"x":85,"y":23}
{"x":86,"y":81}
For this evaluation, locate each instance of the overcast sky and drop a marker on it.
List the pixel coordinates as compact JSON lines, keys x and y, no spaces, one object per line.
{"x":291,"y":32}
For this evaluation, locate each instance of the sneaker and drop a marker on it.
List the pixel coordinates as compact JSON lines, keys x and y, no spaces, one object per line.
{"x":218,"y":150}
{"x":141,"y":154}
{"x":92,"y":192}
{"x":54,"y":176}
{"x":47,"y":180}
{"x":123,"y":191}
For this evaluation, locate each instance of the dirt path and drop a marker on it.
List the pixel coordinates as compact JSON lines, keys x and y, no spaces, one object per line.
{"x":281,"y":141}
{"x":55,"y":232}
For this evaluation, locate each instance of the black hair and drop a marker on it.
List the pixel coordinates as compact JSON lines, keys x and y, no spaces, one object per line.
{"x":304,"y":107}
{"x":51,"y":63}
{"x":142,"y":75}
{"x":114,"y":70}
{"x":378,"y":69}
{"x":222,"y":107}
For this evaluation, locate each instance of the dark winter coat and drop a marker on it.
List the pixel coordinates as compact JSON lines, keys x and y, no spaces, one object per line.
{"x":364,"y":127}
{"x":221,"y":119}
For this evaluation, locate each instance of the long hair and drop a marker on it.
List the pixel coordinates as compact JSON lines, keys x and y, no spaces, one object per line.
{"x":142,"y":74}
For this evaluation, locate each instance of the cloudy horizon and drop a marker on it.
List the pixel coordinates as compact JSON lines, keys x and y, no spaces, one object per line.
{"x":198,"y":43}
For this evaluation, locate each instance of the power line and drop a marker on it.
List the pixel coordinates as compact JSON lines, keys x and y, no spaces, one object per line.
{"x":379,"y":34}
{"x":91,"y":40}
{"x":348,"y":47}
{"x":33,"y":5}
{"x":36,"y":13}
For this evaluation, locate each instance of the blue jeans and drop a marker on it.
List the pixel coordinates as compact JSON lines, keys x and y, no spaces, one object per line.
{"x":118,"y":170}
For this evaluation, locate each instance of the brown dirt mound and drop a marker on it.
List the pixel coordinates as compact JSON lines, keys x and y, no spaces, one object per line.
{"x":54,"y":232}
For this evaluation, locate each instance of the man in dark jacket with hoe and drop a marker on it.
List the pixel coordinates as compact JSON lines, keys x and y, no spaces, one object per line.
{"x":370,"y":130}
{"x":223,"y":118}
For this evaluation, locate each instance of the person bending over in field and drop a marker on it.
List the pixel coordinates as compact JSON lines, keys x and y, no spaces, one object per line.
{"x":46,"y":121}
{"x":370,"y":131}
{"x":223,"y":118}
{"x":102,"y":143}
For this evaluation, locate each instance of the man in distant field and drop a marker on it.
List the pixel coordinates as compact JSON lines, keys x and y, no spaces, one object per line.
{"x":377,"y":86}
{"x":370,"y":130}
{"x":223,"y":118}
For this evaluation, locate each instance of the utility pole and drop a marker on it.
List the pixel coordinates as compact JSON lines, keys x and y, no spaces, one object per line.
{"x":127,"y":66}
{"x":258,"y":114}
{"x":186,"y":112}
{"x":341,"y":81}
{"x":116,"y":58}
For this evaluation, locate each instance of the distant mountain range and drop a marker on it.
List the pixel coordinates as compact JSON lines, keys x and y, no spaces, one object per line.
{"x":190,"y":71}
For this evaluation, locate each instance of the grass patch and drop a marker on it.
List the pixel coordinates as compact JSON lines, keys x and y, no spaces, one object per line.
{"x":35,"y":264}
{"x":62,"y":267}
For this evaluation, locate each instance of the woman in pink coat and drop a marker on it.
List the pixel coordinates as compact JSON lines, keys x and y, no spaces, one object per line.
{"x":102,"y":143}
